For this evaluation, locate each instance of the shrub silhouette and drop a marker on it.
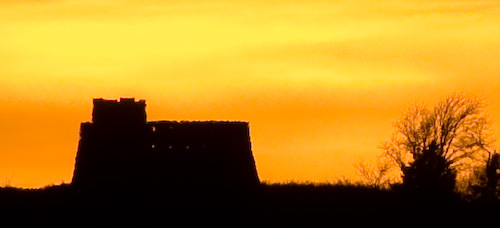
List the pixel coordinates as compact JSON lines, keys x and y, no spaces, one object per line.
{"x":484,"y":183}
{"x":493,"y":175}
{"x":429,"y":173}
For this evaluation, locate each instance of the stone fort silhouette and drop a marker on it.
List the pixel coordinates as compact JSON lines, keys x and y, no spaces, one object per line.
{"x":121,"y":148}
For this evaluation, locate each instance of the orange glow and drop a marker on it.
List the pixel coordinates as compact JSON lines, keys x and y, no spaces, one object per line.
{"x":319,"y":81}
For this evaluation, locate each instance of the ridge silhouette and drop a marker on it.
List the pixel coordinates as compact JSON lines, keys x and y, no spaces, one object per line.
{"x":120,"y":148}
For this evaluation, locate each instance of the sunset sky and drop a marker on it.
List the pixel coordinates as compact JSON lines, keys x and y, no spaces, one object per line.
{"x":320,"y":82}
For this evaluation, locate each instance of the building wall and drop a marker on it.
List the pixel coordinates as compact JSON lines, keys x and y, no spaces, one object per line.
{"x":205,"y":152}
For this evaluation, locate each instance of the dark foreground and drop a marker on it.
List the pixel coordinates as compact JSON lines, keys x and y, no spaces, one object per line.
{"x":266,"y":206}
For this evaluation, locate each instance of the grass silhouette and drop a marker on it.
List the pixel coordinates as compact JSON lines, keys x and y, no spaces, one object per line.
{"x":288,"y":204}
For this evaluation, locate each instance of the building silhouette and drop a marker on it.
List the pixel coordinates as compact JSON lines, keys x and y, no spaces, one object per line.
{"x":120,"y":148}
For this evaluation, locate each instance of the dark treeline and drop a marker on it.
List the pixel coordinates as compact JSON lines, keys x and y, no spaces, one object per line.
{"x":266,"y":205}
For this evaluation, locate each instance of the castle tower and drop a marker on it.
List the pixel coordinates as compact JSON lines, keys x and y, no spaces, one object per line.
{"x":112,"y":147}
{"x":120,"y":148}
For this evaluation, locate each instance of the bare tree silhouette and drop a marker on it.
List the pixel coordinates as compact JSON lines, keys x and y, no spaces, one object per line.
{"x":376,"y":174}
{"x":430,"y":146}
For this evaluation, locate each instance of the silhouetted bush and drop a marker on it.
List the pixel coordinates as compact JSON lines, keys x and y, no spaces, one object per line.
{"x":429,"y":174}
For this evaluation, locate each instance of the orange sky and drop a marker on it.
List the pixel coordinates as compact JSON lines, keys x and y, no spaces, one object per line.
{"x":319,"y":81}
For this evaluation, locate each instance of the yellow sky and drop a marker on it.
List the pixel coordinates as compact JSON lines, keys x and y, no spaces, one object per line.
{"x":319,"y":81}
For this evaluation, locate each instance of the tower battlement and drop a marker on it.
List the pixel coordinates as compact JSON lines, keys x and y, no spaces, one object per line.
{"x":123,"y":111}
